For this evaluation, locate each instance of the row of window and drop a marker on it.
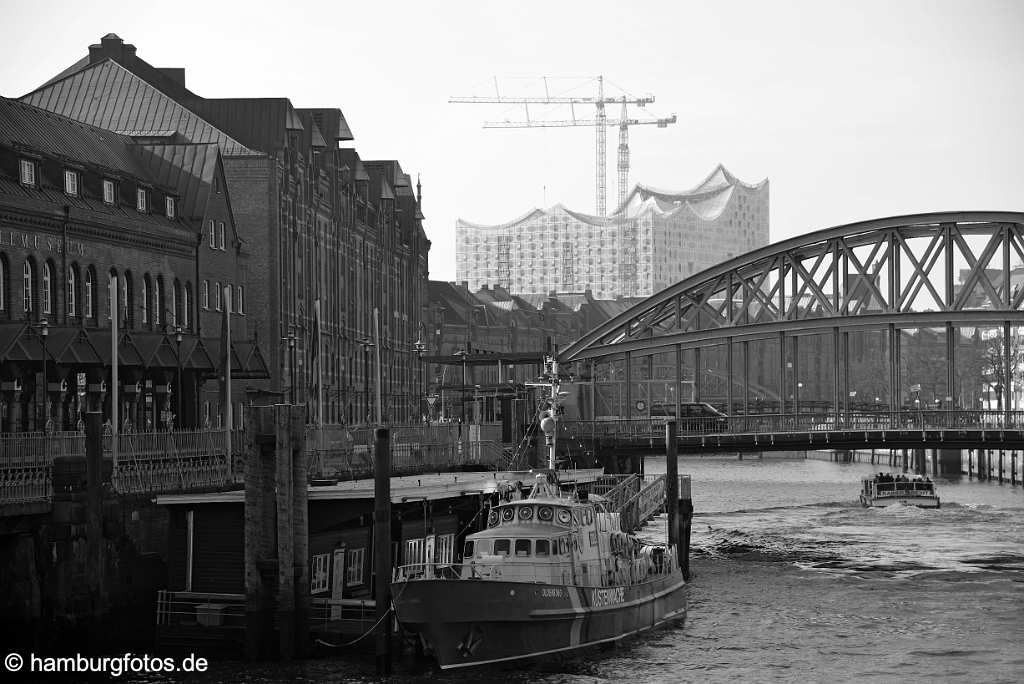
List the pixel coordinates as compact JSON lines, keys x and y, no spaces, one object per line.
{"x":216,"y":235}
{"x":320,"y":571}
{"x":222,"y":297}
{"x":73,"y":182}
{"x":39,"y":293}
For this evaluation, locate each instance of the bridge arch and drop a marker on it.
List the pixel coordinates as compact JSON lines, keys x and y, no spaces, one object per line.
{"x":920,"y":311}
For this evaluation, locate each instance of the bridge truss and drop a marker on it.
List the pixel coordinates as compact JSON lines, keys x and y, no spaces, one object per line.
{"x":921,"y":311}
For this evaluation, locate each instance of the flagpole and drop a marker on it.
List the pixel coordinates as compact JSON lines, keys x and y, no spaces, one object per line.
{"x":115,"y":413}
{"x":227,"y":378}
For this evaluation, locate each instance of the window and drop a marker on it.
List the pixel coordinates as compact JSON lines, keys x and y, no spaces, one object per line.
{"x":27,"y":277}
{"x":108,"y":191}
{"x":175,"y":304}
{"x":239,"y":308}
{"x":542,"y":548}
{"x":522,"y":547}
{"x":220,"y":235}
{"x":206,"y":414}
{"x":354,"y":566}
{"x":469,"y":549}
{"x":502,"y":547}
{"x":169,"y":206}
{"x":90,"y":284}
{"x":127,"y":310}
{"x":111,"y":284}
{"x":216,"y":296}
{"x":319,"y":574}
{"x":70,"y":182}
{"x":140,"y":200}
{"x":47,"y":300}
{"x":3,"y":283}
{"x":28,"y":172}
{"x":216,"y":184}
{"x":145,"y":299}
{"x":158,"y":300}
{"x":186,"y":297}
{"x":72,"y":287}
{"x":204,"y":294}
{"x":213,"y":235}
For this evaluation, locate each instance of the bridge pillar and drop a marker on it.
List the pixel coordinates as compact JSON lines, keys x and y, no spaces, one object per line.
{"x":948,"y":462}
{"x":1013,"y":467}
{"x":1001,"y":452}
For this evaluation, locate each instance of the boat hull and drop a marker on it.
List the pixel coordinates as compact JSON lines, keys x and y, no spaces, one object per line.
{"x":474,"y":622}
{"x":919,"y":501}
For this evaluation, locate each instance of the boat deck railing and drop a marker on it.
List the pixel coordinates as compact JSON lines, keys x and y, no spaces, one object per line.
{"x":591,"y":573}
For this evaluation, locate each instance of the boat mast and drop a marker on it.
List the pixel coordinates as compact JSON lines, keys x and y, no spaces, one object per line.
{"x":549,"y":422}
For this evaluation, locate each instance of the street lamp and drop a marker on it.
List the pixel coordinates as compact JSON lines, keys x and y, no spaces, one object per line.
{"x":291,"y":339}
{"x":463,"y":354}
{"x":420,"y":348}
{"x":44,"y":332}
{"x":177,"y":338}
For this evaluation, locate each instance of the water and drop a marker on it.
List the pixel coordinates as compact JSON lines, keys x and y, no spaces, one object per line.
{"x":795,"y":582}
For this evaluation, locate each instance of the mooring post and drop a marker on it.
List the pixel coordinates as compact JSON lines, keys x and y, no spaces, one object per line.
{"x":300,"y":529}
{"x":94,"y":502}
{"x":382,"y":545}
{"x":285,"y":540}
{"x":672,"y":489}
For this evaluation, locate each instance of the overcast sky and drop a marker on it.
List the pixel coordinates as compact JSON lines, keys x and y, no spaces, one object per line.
{"x":853,"y":110}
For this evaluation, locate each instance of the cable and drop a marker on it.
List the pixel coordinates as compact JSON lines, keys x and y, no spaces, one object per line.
{"x":360,"y":638}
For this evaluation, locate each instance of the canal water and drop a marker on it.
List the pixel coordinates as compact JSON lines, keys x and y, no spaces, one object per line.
{"x":795,"y":582}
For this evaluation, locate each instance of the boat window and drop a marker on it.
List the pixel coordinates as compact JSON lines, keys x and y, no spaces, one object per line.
{"x":522,"y":547}
{"x":469,"y":550}
{"x":542,"y":547}
{"x":502,"y":546}
{"x":483,"y":546}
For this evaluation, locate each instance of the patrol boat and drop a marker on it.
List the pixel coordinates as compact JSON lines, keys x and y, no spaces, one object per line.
{"x":550,"y":573}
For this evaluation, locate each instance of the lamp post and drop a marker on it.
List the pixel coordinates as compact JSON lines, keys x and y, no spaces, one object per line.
{"x":291,"y":339}
{"x":177,"y":338}
{"x":44,"y":332}
{"x":420,"y":348}
{"x":463,"y":354}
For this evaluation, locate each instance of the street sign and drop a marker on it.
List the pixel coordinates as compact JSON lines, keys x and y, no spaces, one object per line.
{"x":915,"y":388}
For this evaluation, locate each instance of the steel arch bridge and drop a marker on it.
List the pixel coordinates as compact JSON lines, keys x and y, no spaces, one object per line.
{"x":909,"y":313}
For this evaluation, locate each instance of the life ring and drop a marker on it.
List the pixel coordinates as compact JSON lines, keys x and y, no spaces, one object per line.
{"x":526,"y":512}
{"x":492,"y":518}
{"x":545,"y":513}
{"x":564,"y":516}
{"x":507,"y":513}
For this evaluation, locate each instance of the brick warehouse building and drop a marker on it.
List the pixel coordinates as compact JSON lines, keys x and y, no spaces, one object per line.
{"x":318,"y":225}
{"x":78,"y":207}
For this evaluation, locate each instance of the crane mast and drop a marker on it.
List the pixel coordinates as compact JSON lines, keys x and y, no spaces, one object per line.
{"x":600,"y":123}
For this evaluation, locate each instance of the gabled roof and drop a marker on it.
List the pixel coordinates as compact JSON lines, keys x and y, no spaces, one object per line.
{"x":259,"y":123}
{"x":109,"y":96}
{"x":331,"y":122}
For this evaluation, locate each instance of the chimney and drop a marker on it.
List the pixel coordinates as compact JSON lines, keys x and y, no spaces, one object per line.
{"x":111,"y":47}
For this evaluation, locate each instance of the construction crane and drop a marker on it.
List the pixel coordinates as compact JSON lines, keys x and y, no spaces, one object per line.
{"x":600,"y":122}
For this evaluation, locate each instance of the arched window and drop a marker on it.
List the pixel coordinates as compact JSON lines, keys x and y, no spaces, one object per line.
{"x":145,"y":299}
{"x":238,"y":307}
{"x":90,"y":293}
{"x":205,"y":292}
{"x":158,"y":300}
{"x":28,"y":277}
{"x":186,"y":302}
{"x":127,"y":305}
{"x":216,"y":296}
{"x":112,"y":279}
{"x":73,"y":290}
{"x":3,"y":283}
{"x":46,"y":294}
{"x":175,"y":304}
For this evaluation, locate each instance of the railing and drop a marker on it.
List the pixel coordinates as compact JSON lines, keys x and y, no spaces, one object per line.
{"x":642,"y":429}
{"x":644,"y":567}
{"x":155,"y":462}
{"x":195,"y":609}
{"x":26,"y":465}
{"x":616,"y":489}
{"x":643,"y":505}
{"x":342,"y":616}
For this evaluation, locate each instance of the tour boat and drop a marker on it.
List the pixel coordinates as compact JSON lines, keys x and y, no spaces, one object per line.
{"x":550,"y":573}
{"x":885,"y":490}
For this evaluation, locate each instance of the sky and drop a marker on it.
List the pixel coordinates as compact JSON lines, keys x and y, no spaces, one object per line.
{"x":852,"y":110}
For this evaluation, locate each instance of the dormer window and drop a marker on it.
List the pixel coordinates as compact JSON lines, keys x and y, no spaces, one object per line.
{"x":170,"y":207}
{"x":71,"y":182}
{"x":108,"y":191}
{"x":141,"y":201}
{"x":28,"y":172}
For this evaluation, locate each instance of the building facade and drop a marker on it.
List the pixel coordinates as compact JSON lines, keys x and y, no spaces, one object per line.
{"x":656,"y":238}
{"x":330,"y":238}
{"x":82,"y":208}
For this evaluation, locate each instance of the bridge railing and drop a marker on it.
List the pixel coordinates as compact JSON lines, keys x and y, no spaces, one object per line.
{"x":640,"y":507}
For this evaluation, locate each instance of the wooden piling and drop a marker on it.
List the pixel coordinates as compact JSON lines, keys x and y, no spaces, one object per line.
{"x":285,"y":540}
{"x":1001,"y":452}
{"x":94,"y":516}
{"x":382,"y":545}
{"x":672,"y":488}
